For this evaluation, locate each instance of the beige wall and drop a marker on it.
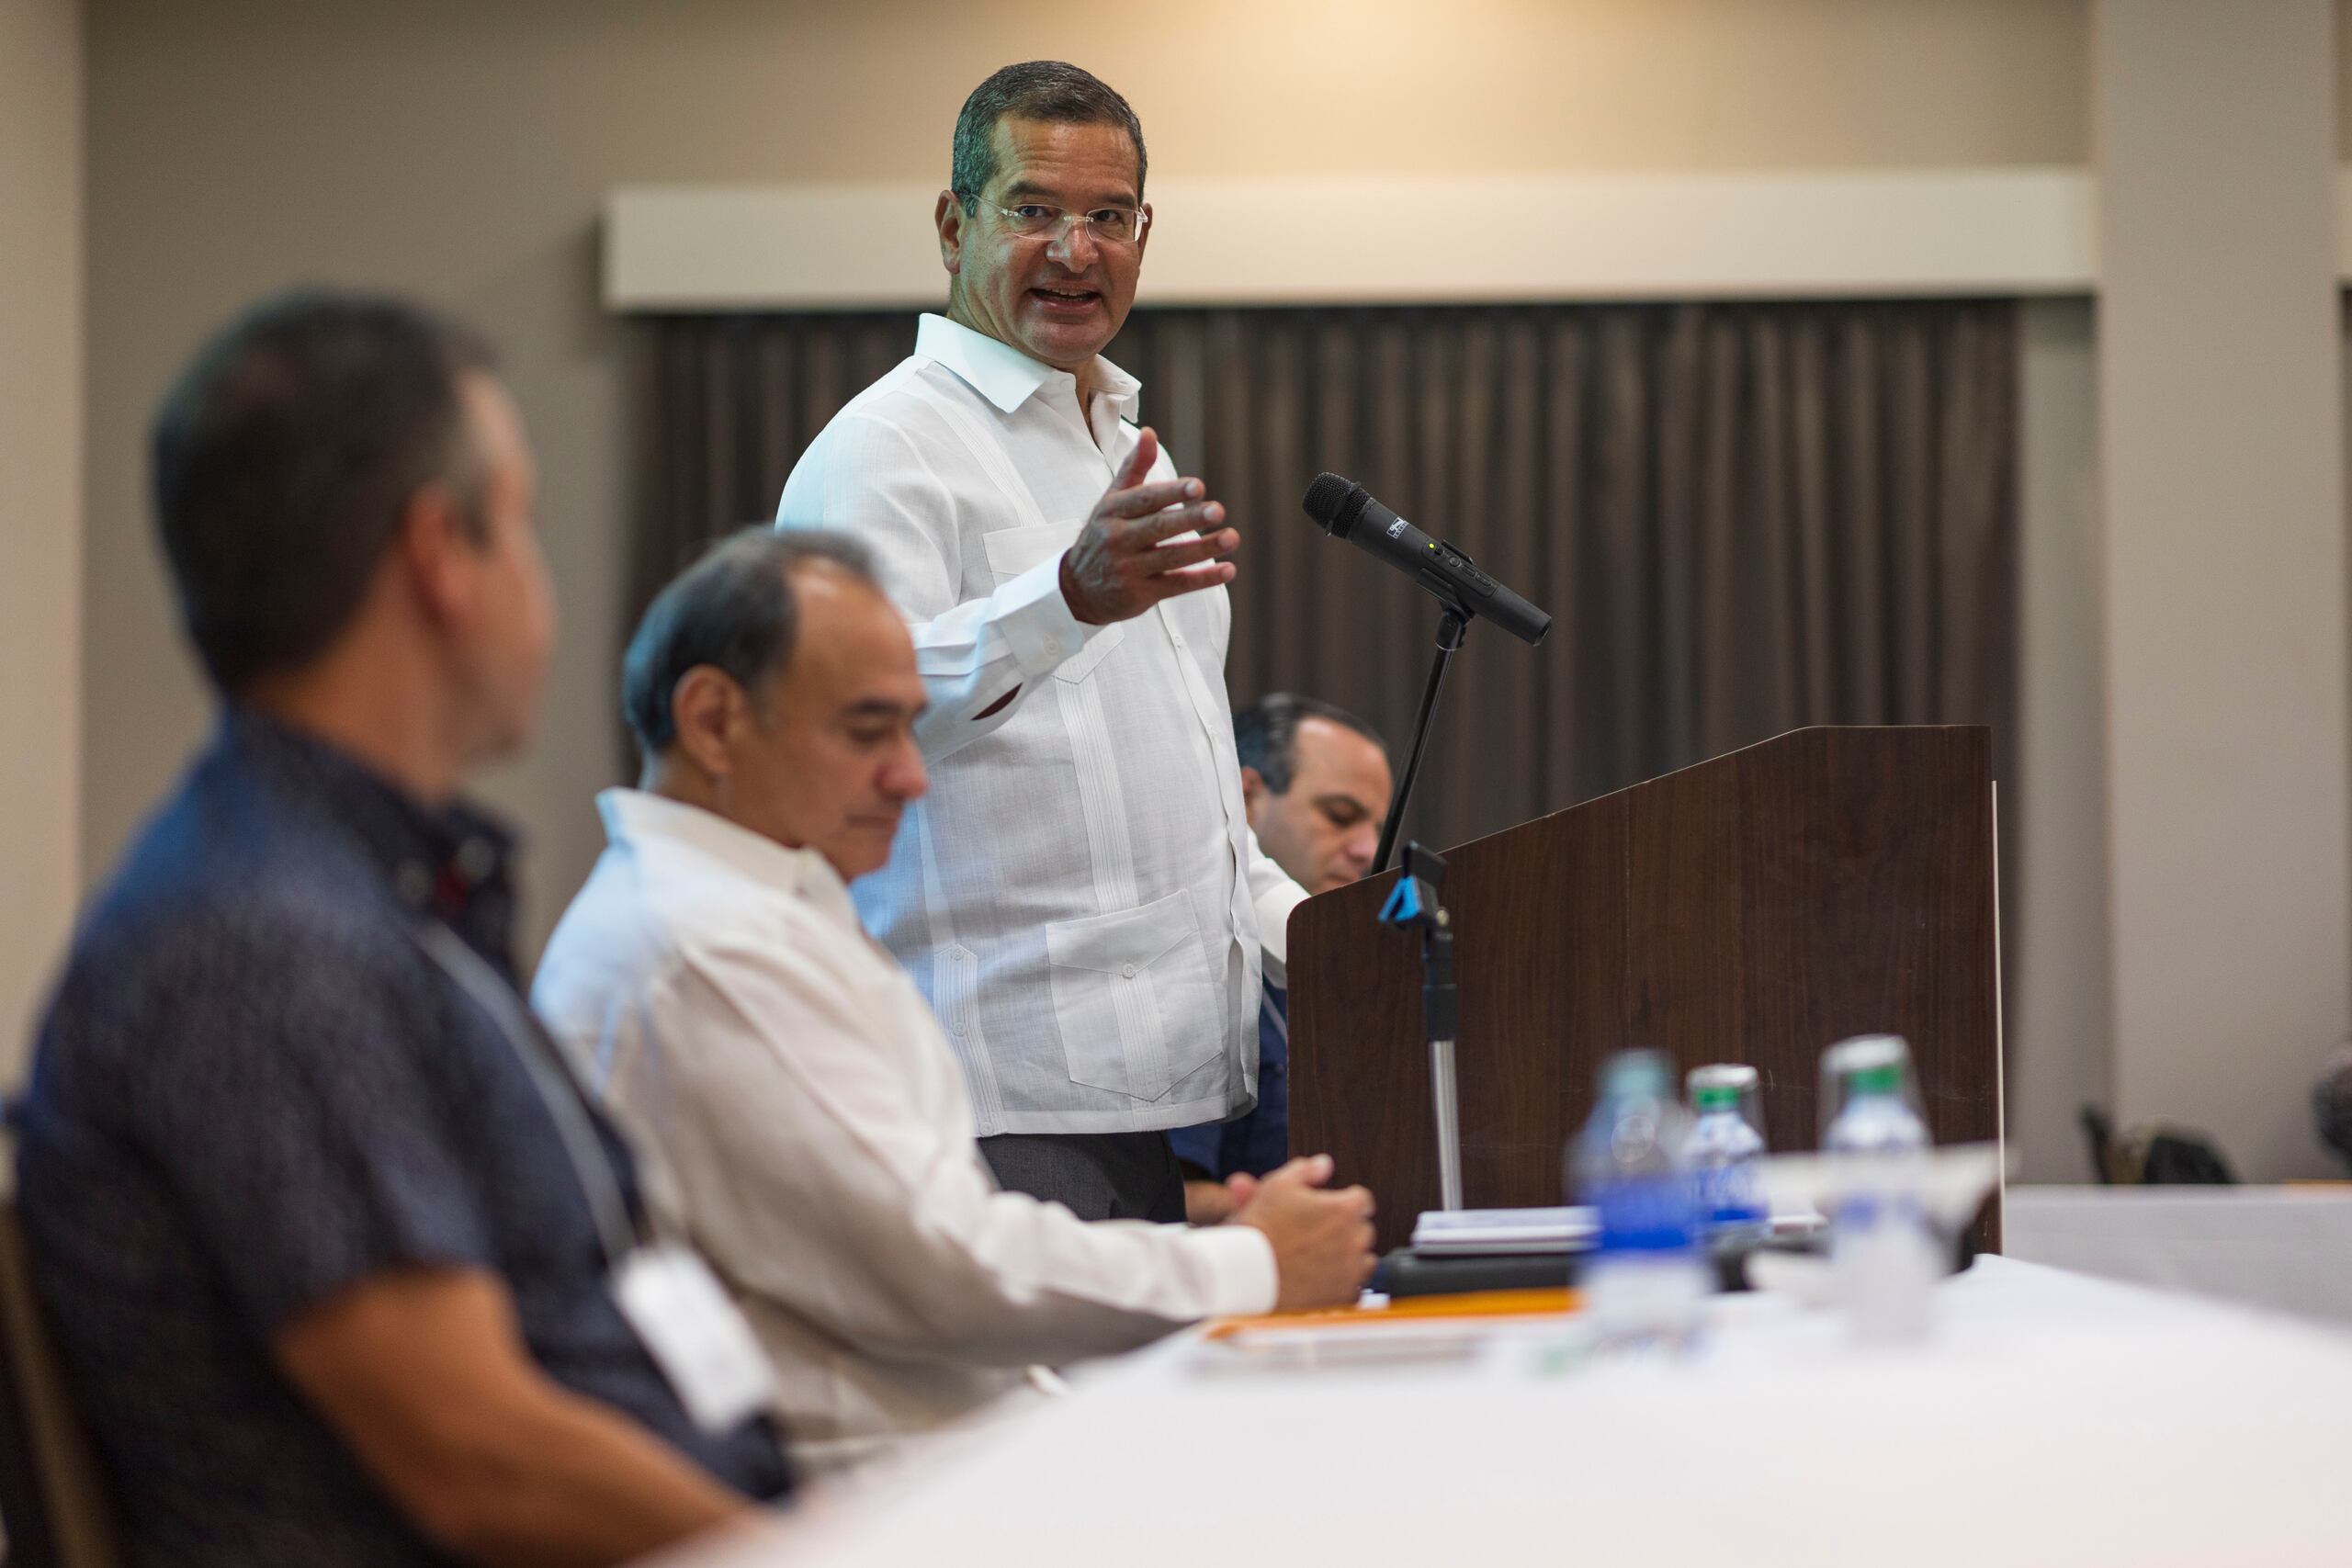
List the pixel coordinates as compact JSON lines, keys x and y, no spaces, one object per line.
{"x":460,"y":149}
{"x":41,"y":497}
{"x":2344,"y":80}
{"x":2059,"y":1016}
{"x":2222,"y":567}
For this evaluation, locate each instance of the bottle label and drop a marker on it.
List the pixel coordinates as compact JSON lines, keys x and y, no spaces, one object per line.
{"x":1729,"y":1195}
{"x":1651,"y":1215}
{"x":1869,"y":1210}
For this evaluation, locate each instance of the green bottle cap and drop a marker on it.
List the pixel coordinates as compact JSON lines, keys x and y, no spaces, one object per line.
{"x":1715,"y":1096}
{"x":1881,"y":1077}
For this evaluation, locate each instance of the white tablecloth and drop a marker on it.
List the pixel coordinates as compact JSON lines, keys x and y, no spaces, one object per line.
{"x":2054,"y":1420}
{"x":2288,"y":1249}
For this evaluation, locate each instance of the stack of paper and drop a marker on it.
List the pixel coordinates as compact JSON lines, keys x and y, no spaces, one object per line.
{"x":1492,"y":1233}
{"x":1504,"y":1233}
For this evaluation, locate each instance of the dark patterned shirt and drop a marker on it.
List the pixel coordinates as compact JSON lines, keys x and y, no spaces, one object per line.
{"x":254,"y":1089}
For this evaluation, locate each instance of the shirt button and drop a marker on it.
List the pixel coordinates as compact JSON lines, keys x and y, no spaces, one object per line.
{"x":477,"y":859}
{"x":1053,"y":646}
{"x":1128,"y":970}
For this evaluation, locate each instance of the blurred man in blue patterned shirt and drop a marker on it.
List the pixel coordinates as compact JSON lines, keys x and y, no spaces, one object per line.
{"x":331,"y":1245}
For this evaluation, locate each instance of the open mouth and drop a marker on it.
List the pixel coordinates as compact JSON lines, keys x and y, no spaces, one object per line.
{"x":1065,"y":301}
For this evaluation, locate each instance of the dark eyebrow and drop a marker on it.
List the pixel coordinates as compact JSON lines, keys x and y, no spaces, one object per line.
{"x":880,"y":707}
{"x":1325,"y":802}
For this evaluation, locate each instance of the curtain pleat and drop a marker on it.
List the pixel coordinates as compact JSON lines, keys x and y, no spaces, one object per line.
{"x":1744,"y":517}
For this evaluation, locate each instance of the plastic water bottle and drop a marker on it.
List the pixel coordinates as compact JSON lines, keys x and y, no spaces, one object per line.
{"x":1884,"y":1254}
{"x":1644,"y":1279}
{"x":1723,"y":1153}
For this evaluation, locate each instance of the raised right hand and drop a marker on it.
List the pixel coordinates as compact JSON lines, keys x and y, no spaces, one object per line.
{"x":1119,"y":568}
{"x":1322,"y":1240}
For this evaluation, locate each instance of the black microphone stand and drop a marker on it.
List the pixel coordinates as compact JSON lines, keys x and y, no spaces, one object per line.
{"x":1413,"y":905}
{"x":1450,"y":628}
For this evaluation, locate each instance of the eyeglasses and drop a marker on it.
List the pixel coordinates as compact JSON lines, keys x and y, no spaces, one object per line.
{"x":1108,"y":225}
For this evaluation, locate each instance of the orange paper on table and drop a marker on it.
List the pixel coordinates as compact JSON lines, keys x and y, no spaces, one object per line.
{"x":1468,"y":1303}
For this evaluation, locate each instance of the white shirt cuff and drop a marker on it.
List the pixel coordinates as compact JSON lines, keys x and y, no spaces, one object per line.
{"x":1240,"y":1261}
{"x":1038,"y":621}
{"x":1274,"y":907}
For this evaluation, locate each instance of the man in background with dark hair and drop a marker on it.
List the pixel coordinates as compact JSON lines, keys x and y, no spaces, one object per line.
{"x":801,"y":1103}
{"x":1315,"y":779}
{"x":1080,"y":896}
{"x":343,"y":1268}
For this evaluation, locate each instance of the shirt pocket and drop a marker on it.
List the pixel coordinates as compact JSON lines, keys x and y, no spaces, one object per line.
{"x":1012,"y":551}
{"x":1117,"y":978}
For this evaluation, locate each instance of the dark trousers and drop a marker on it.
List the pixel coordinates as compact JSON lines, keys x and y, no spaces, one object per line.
{"x":1101,"y":1175}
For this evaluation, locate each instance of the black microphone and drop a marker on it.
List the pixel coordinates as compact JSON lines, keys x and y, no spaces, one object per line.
{"x":1346,"y":511}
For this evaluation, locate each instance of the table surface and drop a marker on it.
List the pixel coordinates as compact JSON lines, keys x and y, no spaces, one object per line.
{"x":2288,"y":1249}
{"x":2053,"y":1418}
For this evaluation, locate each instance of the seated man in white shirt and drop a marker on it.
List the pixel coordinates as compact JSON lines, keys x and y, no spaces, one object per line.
{"x":803,"y":1114}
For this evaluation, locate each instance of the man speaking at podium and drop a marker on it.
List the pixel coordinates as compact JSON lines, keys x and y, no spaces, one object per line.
{"x":1080,"y":896}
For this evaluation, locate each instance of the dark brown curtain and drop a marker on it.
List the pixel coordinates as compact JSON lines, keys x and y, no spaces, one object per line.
{"x":1744,"y":517}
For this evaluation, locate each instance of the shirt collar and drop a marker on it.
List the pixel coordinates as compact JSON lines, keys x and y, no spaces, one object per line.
{"x":637,"y":819}
{"x":452,"y":861}
{"x":1003,"y":373}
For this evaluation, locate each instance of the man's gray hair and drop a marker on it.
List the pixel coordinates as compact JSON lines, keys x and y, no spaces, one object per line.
{"x":1045,"y":90}
{"x":1265,"y":734}
{"x":733,"y":609}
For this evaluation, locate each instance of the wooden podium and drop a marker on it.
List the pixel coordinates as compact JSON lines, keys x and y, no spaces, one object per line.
{"x":1752,"y":909}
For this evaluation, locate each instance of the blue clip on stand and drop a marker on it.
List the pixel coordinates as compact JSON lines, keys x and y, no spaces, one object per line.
{"x":1412,"y":905}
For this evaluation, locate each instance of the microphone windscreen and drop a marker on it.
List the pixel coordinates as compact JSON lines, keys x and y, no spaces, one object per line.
{"x":1328,"y":502}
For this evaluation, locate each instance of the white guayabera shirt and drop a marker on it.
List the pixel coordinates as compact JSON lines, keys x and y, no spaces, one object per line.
{"x":1080,"y":896}
{"x":805,"y":1125}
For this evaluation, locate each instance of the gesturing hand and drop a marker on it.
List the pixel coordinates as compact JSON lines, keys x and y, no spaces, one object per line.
{"x":1120,"y":567}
